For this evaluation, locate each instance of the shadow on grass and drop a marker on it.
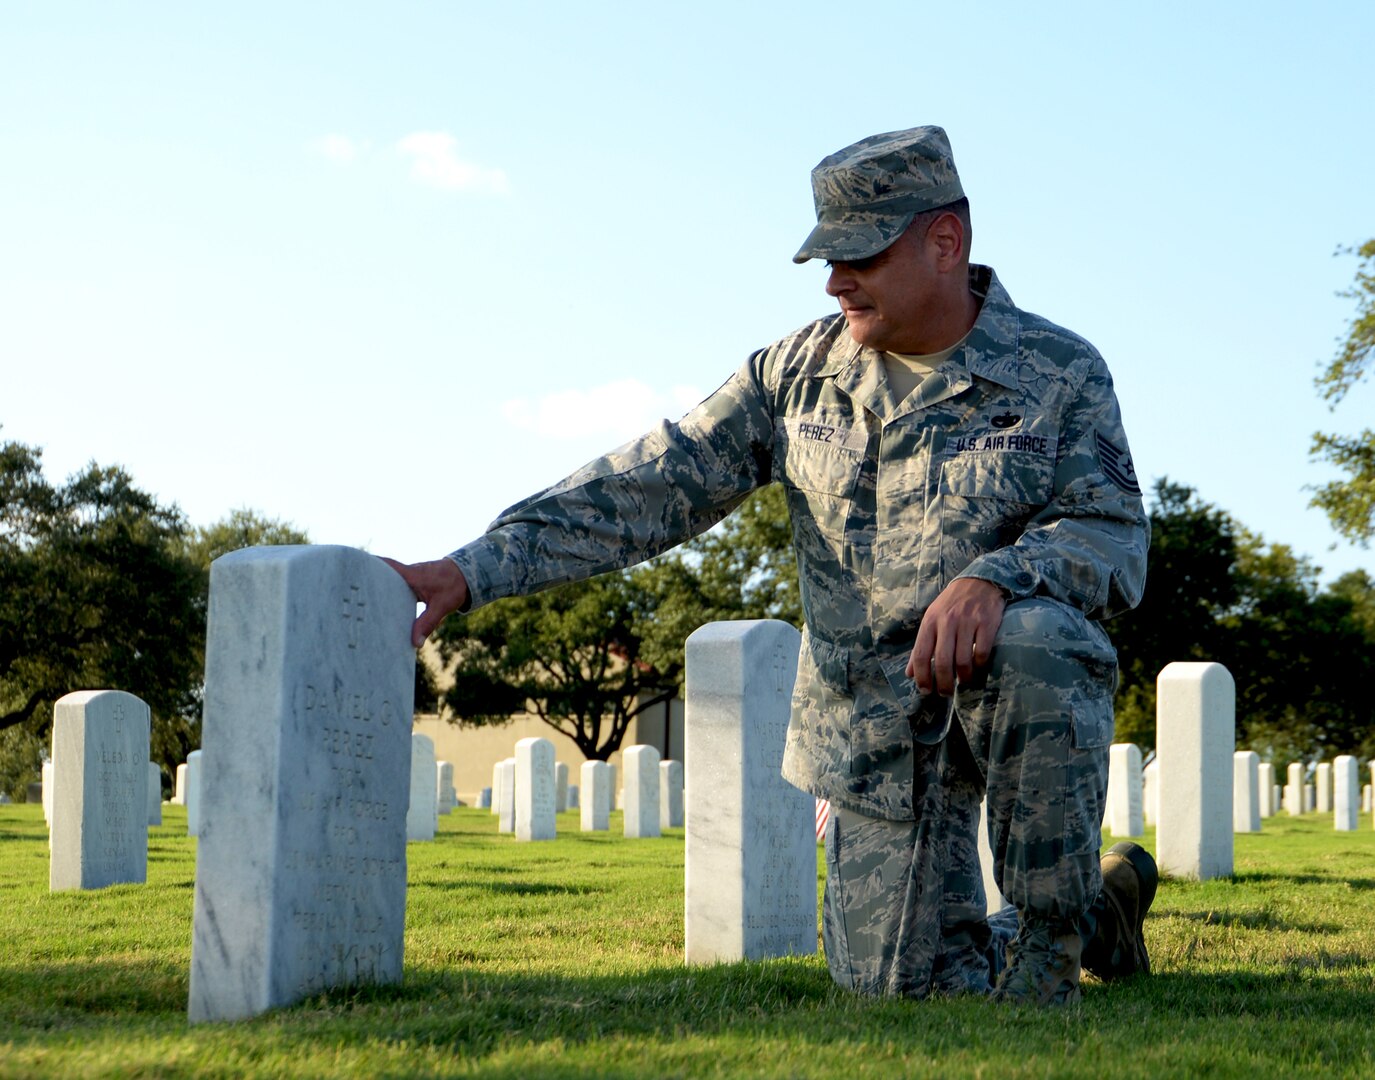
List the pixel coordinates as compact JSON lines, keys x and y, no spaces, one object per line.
{"x":511,"y":888}
{"x":1364,"y":883}
{"x":1254,"y":920}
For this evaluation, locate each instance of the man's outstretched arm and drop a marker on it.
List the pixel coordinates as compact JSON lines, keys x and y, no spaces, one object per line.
{"x":439,"y":585}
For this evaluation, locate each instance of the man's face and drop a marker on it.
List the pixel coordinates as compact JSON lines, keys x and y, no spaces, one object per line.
{"x":890,"y":298}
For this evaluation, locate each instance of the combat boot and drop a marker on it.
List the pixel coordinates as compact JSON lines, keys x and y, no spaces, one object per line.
{"x":1117,"y":946}
{"x":1042,"y":964}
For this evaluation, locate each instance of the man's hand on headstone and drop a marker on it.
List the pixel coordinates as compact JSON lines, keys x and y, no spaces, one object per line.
{"x":439,"y":585}
{"x":956,"y":635}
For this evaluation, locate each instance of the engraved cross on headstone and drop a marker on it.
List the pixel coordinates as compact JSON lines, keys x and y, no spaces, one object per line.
{"x":353,"y":614}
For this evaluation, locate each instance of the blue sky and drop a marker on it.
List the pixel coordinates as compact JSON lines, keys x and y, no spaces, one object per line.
{"x":383,"y":269}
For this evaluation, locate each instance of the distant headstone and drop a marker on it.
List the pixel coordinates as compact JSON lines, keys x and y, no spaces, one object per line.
{"x":484,"y":799}
{"x":33,"y":793}
{"x":1125,"y":810}
{"x":444,"y":786}
{"x":670,"y":794}
{"x":1322,"y":782}
{"x":1365,"y":798}
{"x":506,"y":792}
{"x":99,"y":790}
{"x":614,"y":786}
{"x":535,"y":789}
{"x":154,"y":794}
{"x":496,"y":788}
{"x":1196,"y":734}
{"x":1293,"y":790}
{"x":641,"y":791}
{"x":751,"y":836}
{"x":301,"y":869}
{"x":193,"y":793}
{"x":1246,"y":791}
{"x":179,"y":791}
{"x":596,"y":800}
{"x":993,"y":898}
{"x":572,"y":796}
{"x":1150,"y":792}
{"x":560,"y":787}
{"x":422,"y":816}
{"x":47,"y":778}
{"x":1346,"y":780}
{"x":1265,"y":779}
{"x":1310,"y":798}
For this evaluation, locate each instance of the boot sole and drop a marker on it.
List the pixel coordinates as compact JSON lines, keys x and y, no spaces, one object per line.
{"x":1149,"y":877}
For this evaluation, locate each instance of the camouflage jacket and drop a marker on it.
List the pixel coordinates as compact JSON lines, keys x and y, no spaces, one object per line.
{"x":1009,"y":463}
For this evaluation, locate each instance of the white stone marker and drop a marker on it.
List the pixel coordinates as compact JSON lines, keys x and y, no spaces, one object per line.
{"x":422,"y":817}
{"x":641,"y":792}
{"x":596,"y":805}
{"x":179,"y":792}
{"x":560,"y":787}
{"x":496,"y":788}
{"x":1279,"y":798}
{"x":1265,"y":778}
{"x":154,"y":794}
{"x":484,"y":799}
{"x":670,"y":794}
{"x":614,"y":786}
{"x":751,"y":836}
{"x":193,"y":793}
{"x":1310,"y":798}
{"x":47,"y":778}
{"x":506,"y":810}
{"x":1365,"y":799}
{"x":535,"y":789}
{"x":444,"y":786}
{"x":1346,"y":816}
{"x":1323,"y":783}
{"x":993,"y":898}
{"x":1293,"y":790}
{"x":1246,"y":791}
{"x":1196,"y":734}
{"x":301,"y":869}
{"x":100,"y":790}
{"x":1150,"y":792}
{"x":572,"y":796}
{"x":1125,"y":811}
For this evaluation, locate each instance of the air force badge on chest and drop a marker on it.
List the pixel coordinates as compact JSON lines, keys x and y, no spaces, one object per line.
{"x":1004,"y":430}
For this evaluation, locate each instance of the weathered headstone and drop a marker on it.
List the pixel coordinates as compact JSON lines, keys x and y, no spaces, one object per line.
{"x":444,"y":786}
{"x":1246,"y":791}
{"x":1293,"y":790}
{"x":1150,"y":792}
{"x":670,"y":794}
{"x":1196,"y":736}
{"x":1265,"y":778}
{"x":506,"y":783}
{"x":422,"y":816}
{"x":751,"y":836}
{"x":596,"y":802}
{"x":1125,"y":809}
{"x":641,"y":792}
{"x":99,"y":790}
{"x":179,"y":792}
{"x":301,"y":869}
{"x":1346,"y":780}
{"x":154,"y":794}
{"x":560,"y":787}
{"x":535,"y":781}
{"x":193,"y":793}
{"x":1322,"y":783}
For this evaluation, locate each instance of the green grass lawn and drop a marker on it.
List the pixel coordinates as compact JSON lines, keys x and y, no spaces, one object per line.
{"x":566,"y":959}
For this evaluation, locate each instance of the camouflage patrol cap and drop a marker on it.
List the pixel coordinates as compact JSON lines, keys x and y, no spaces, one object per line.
{"x":868,"y":193}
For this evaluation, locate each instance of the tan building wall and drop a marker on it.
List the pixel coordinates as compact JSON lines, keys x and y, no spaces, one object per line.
{"x":473,"y":751}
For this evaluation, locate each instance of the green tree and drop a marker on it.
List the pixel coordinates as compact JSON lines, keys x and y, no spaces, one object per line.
{"x":1349,"y":503}
{"x":242,"y":528}
{"x":570,"y":655}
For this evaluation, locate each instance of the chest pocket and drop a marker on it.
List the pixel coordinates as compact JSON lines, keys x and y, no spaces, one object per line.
{"x":1006,"y":477}
{"x":820,"y":458}
{"x":986,"y":501}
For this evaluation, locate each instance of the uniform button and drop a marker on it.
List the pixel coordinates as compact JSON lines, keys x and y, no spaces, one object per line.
{"x":1024,"y":578}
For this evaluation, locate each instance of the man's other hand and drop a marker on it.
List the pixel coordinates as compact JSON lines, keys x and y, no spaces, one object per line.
{"x":439,"y":585}
{"x":956,"y":635}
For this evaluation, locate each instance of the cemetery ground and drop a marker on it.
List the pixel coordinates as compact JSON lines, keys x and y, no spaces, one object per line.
{"x":565,"y":958}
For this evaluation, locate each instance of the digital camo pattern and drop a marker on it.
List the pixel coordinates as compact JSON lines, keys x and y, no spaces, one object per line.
{"x":989,"y":469}
{"x":868,"y":193}
{"x":904,"y":906}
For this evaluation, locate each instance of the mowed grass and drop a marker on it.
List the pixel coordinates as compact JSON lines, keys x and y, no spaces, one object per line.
{"x":566,"y":959}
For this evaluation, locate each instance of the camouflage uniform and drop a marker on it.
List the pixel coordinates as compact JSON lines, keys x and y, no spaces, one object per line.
{"x":1009,"y":464}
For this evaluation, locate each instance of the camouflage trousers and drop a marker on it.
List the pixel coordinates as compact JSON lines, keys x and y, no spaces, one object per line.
{"x":904,"y":909}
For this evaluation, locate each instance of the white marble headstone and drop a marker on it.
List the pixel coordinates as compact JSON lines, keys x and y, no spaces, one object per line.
{"x":506,"y":811}
{"x":1196,"y":736}
{"x":641,"y":791}
{"x":1346,"y":804}
{"x":444,"y":786}
{"x":1125,"y":809}
{"x":573,"y":796}
{"x":1310,"y":798}
{"x":535,"y":789}
{"x":1246,"y":791}
{"x":193,"y":793}
{"x":99,"y":790}
{"x":301,"y":869}
{"x":670,"y":794}
{"x":751,"y":836}
{"x":1365,"y":798}
{"x":560,"y":787}
{"x":154,"y":794}
{"x":496,"y":787}
{"x":1322,"y":782}
{"x":484,"y":799}
{"x":613,"y":786}
{"x":595,"y":812}
{"x":1265,"y":780}
{"x":422,"y":815}
{"x":47,"y":779}
{"x":1293,"y":790}
{"x":1150,"y":792}
{"x":179,"y":792}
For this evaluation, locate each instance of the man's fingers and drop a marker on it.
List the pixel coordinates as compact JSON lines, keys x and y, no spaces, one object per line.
{"x":439,"y":585}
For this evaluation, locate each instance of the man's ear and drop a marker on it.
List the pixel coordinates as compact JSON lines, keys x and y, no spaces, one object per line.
{"x":947,"y":236}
